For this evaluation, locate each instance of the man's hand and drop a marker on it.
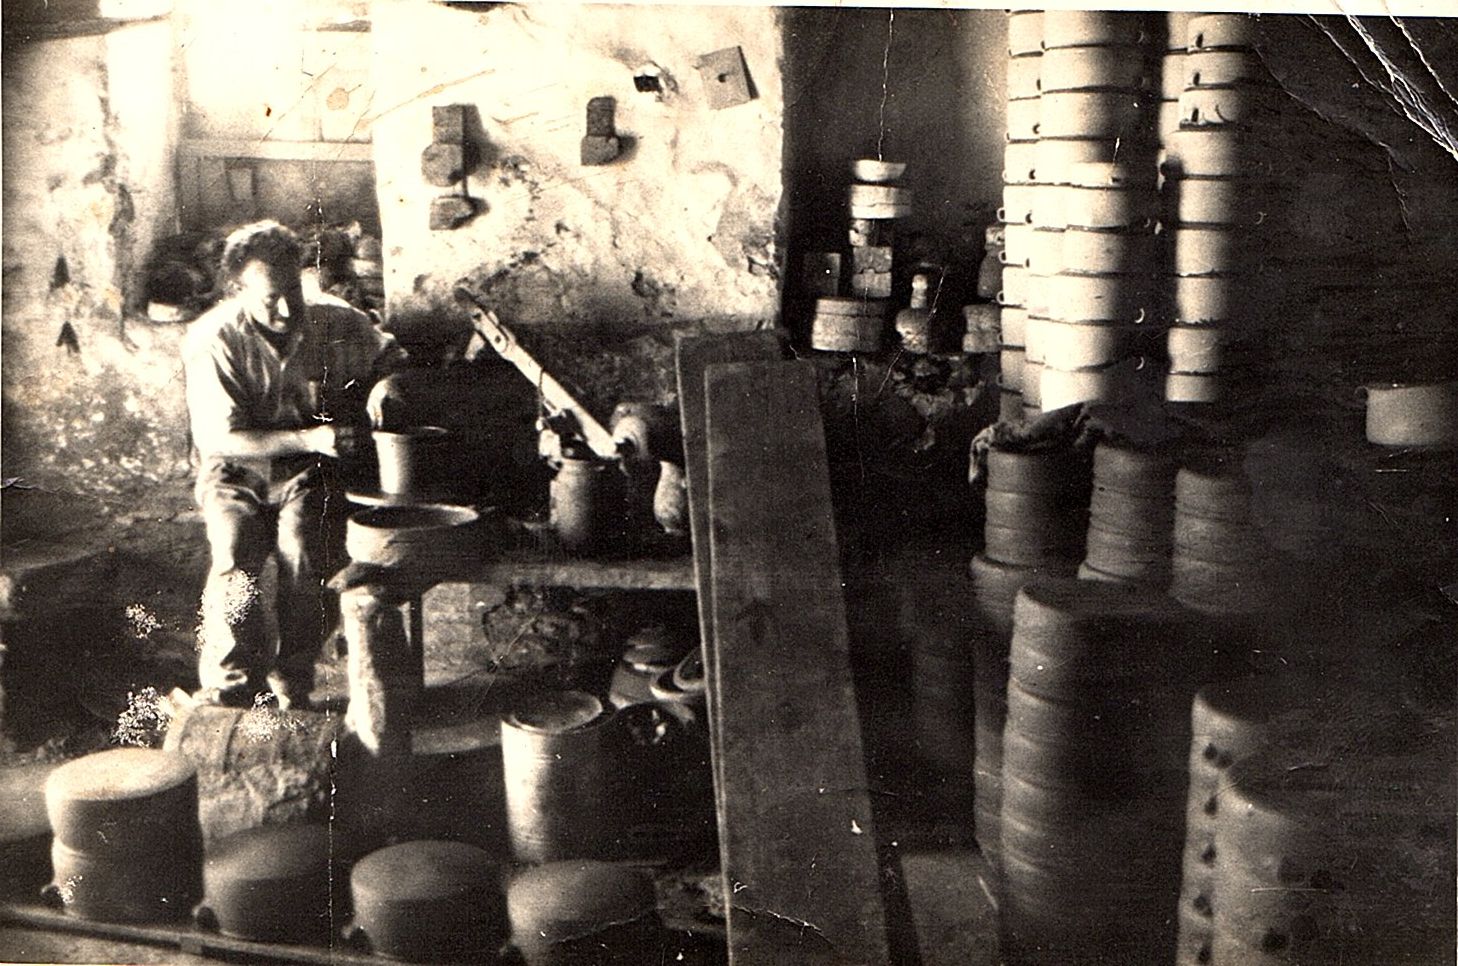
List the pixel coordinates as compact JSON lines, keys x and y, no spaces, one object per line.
{"x":332,"y":439}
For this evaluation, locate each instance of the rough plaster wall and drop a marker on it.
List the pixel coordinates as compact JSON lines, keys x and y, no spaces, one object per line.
{"x":88,"y":139}
{"x":299,"y":84}
{"x":682,"y":226}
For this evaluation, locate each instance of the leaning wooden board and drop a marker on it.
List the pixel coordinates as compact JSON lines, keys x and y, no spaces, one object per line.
{"x":796,"y":842}
{"x":693,"y":355}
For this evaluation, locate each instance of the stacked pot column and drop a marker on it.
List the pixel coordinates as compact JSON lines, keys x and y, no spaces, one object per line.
{"x":1131,"y":516}
{"x":1222,"y":565}
{"x":1351,"y":862}
{"x":857,"y":322}
{"x":1093,"y":774}
{"x":1229,"y":723}
{"x":1035,"y":522}
{"x":1172,"y":71}
{"x":127,"y":845}
{"x":1025,"y":55}
{"x":1224,"y":196}
{"x":1096,"y":134}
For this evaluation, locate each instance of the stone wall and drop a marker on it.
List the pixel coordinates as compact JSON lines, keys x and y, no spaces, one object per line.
{"x":92,"y":397}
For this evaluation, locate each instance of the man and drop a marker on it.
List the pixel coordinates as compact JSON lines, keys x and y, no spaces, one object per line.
{"x":277,"y":392}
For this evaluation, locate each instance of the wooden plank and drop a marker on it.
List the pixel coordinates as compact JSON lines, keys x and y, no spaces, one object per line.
{"x":184,"y":937}
{"x":693,"y":355}
{"x":801,"y":876}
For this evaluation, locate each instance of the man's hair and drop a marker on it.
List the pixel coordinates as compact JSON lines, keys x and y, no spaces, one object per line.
{"x":264,"y":241}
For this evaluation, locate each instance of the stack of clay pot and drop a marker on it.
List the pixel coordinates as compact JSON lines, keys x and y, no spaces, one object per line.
{"x":1092,"y":819}
{"x":1230,"y":722}
{"x":1223,"y":200}
{"x":1223,"y":565}
{"x":858,"y":322}
{"x":1131,"y":516}
{"x":1336,"y":855}
{"x":127,"y":844}
{"x":1035,"y":521}
{"x":1172,"y":70}
{"x":1093,"y":265}
{"x":1025,"y":55}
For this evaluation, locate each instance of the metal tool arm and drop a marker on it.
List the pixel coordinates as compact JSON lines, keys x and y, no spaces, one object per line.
{"x":558,"y":400}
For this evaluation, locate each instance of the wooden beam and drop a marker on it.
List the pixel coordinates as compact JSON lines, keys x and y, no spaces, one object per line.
{"x":693,"y":355}
{"x":801,"y":877}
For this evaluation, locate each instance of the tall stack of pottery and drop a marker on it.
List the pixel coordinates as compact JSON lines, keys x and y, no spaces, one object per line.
{"x":1223,"y":565}
{"x":1223,"y":201}
{"x":1025,"y":55}
{"x":1109,"y":212}
{"x":1093,"y":774}
{"x":1337,"y":856}
{"x":1099,"y":86}
{"x":1231,"y":721}
{"x":1172,"y":69}
{"x":1131,"y":516}
{"x":1035,"y":516}
{"x":857,"y":322}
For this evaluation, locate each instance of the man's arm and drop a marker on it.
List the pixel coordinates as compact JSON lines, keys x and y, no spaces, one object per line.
{"x":218,"y":413}
{"x":325,"y":439}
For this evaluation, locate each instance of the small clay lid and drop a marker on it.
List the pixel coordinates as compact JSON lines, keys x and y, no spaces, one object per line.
{"x":119,"y":774}
{"x":270,"y":853}
{"x":426,"y":871}
{"x":565,"y":900}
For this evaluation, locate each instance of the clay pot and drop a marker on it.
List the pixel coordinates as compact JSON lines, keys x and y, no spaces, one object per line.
{"x":1032,"y":388}
{"x":1022,"y":77}
{"x":1107,"y":252}
{"x":1106,"y":67}
{"x":1115,"y":383}
{"x":1222,"y":30}
{"x":124,"y":802}
{"x":1105,"y":298}
{"x":160,"y":885}
{"x":1085,"y":28}
{"x":1017,"y":204}
{"x":1219,"y":68}
{"x":1413,"y":415}
{"x":271,"y":883}
{"x":428,"y":902}
{"x":1073,"y":345}
{"x":589,"y":506}
{"x":1022,"y":120}
{"x":1172,"y":76}
{"x":1198,"y":348}
{"x":559,"y":764}
{"x":1019,"y":159}
{"x":1024,"y":32}
{"x":433,"y":537}
{"x":414,"y":462}
{"x":1113,"y":206}
{"x":1096,"y":114}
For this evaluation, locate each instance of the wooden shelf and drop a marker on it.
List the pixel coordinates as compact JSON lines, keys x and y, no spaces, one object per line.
{"x":539,"y":568}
